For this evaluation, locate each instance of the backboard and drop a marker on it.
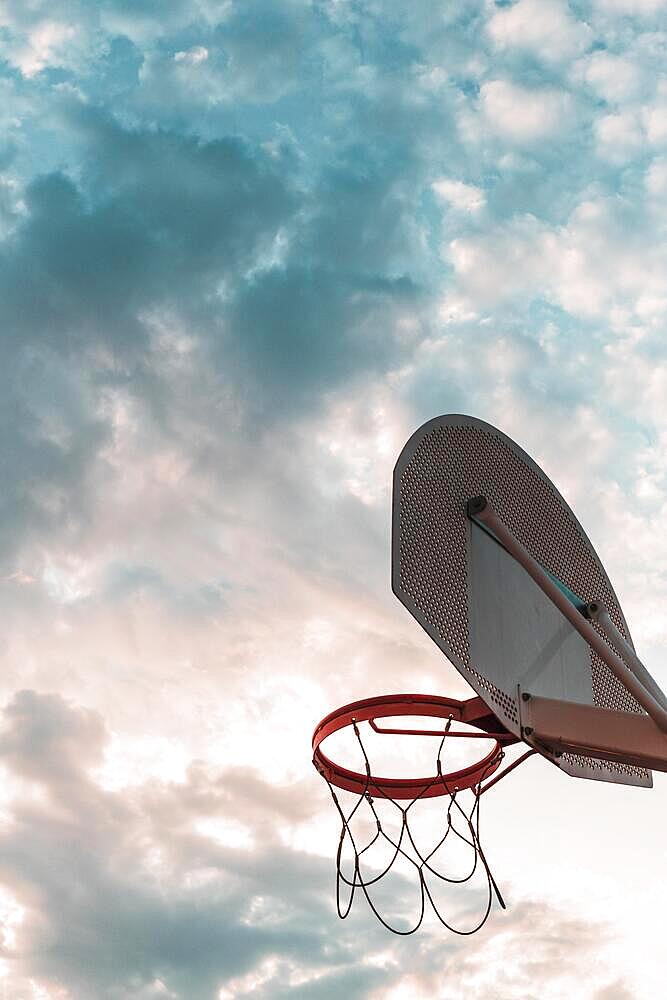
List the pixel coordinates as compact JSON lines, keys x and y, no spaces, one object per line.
{"x":473,"y":599}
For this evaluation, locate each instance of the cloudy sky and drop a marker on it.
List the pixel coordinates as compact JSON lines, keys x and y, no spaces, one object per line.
{"x":247,"y":248}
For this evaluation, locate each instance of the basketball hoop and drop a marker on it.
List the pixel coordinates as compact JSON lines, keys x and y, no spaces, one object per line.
{"x":491,"y":562}
{"x":371,"y":790}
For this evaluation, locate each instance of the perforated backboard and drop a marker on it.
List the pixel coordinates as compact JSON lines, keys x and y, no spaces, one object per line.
{"x":480,"y":607}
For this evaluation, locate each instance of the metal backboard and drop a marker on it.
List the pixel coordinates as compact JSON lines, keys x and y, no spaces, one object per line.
{"x":480,"y":607}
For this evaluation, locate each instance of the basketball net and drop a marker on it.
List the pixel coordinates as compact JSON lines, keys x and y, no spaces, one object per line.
{"x":380,"y":831}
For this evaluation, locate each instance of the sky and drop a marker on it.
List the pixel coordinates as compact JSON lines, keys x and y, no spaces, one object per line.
{"x":247,"y":248}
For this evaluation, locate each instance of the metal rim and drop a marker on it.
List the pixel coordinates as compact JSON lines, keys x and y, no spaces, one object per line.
{"x":387,"y":706}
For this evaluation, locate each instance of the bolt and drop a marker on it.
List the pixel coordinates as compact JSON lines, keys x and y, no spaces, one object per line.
{"x":525,"y":696}
{"x":476,"y":505}
{"x":528,"y":730}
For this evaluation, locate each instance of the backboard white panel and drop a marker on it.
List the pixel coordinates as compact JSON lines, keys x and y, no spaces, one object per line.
{"x":517,"y":636}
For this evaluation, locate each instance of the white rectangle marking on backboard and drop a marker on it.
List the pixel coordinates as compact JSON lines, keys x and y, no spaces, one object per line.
{"x":517,"y":636}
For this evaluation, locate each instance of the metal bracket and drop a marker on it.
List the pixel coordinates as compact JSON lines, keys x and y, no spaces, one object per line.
{"x":568,"y":727}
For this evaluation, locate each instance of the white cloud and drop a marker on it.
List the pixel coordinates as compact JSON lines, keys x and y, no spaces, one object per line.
{"x":195,"y":55}
{"x":595,"y":266}
{"x":633,"y":8}
{"x":241,"y":62}
{"x":521,"y":115}
{"x":615,"y":78}
{"x":465,"y":197}
{"x":69,"y":583}
{"x":619,"y":137}
{"x":361,"y":440}
{"x":47,"y":44}
{"x":624,"y":134}
{"x":544,"y":26}
{"x":144,"y":24}
{"x":500,"y":264}
{"x":592,"y":266}
{"x":655,"y":117}
{"x":656,"y":178}
{"x":498,"y":964}
{"x":12,"y":205}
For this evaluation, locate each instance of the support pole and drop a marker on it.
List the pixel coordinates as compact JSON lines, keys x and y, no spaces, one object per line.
{"x":598,"y":612}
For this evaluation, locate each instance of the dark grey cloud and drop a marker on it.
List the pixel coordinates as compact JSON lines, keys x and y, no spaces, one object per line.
{"x":301,"y":332}
{"x":154,"y":223}
{"x":159,"y":227}
{"x":158,"y":219}
{"x":618,"y":990}
{"x":45,"y":740}
{"x":70,"y":276}
{"x":50,"y":437}
{"x":101,"y":922}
